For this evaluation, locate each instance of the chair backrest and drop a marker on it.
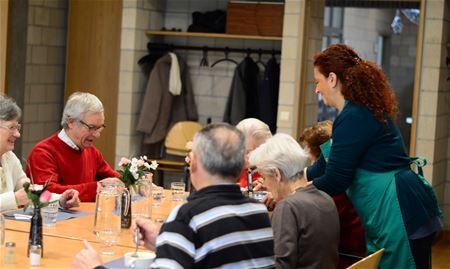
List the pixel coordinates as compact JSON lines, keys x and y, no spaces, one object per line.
{"x":369,"y":262}
{"x":177,"y":137}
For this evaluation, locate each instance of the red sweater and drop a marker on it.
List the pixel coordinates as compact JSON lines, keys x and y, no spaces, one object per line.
{"x":68,"y":168}
{"x":352,"y":239}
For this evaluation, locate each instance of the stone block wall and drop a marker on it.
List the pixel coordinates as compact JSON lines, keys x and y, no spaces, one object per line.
{"x":44,"y":71}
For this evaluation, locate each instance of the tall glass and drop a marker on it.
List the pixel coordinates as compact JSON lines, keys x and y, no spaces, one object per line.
{"x":107,"y":215}
{"x":142,"y":207}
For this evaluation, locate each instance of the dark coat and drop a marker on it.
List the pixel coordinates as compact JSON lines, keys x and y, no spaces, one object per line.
{"x":243,"y":99}
{"x":268,"y":94}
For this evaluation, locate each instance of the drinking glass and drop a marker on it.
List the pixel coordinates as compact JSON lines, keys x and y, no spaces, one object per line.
{"x":107,"y":215}
{"x":142,"y":207}
{"x":157,"y":193}
{"x":177,"y":189}
{"x":50,"y":214}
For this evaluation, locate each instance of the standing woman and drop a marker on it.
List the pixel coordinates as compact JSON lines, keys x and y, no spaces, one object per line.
{"x":367,"y":159}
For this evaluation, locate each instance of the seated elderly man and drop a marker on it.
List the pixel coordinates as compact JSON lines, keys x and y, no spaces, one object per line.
{"x":69,"y":158}
{"x":218,"y":227}
{"x":305,"y":221}
{"x":12,"y":177}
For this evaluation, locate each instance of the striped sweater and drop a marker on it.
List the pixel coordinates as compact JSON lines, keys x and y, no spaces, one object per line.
{"x":218,"y":227}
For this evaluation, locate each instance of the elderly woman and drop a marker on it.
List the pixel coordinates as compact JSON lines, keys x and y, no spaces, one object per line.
{"x":12,"y":177}
{"x":256,"y":133}
{"x":305,"y":222}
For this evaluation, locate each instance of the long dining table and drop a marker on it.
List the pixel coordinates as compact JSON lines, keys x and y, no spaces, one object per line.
{"x":64,"y":241}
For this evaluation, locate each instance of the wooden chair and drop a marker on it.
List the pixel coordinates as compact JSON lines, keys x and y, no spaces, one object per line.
{"x":174,"y":149}
{"x":369,"y":262}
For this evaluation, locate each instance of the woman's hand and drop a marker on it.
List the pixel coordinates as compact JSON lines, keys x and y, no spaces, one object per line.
{"x":269,"y":201}
{"x":21,"y":197}
{"x":258,"y":184}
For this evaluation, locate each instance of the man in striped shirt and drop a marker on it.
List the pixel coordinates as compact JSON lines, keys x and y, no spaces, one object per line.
{"x":218,"y":227}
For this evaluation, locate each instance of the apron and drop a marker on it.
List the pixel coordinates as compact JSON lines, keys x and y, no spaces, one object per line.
{"x":374,"y":197}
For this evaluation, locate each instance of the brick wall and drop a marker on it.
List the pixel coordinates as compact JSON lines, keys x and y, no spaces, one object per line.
{"x":45,"y":71}
{"x":433,"y":122}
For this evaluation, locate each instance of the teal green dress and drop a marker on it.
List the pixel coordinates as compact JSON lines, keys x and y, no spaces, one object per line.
{"x":368,"y":160}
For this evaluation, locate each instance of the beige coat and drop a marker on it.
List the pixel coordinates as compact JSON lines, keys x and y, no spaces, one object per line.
{"x":160,"y":109}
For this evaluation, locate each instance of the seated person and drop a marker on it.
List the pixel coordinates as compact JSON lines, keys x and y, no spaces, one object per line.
{"x":69,"y":158}
{"x":218,"y":226}
{"x":352,"y":243}
{"x":256,"y":132}
{"x":12,"y":177}
{"x":305,"y":221}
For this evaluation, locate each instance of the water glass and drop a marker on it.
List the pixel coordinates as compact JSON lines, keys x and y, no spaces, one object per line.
{"x":177,"y":189}
{"x":143,"y":206}
{"x":50,"y":214}
{"x":157,"y":193}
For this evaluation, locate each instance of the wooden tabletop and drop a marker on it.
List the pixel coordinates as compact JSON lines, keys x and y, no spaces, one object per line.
{"x":68,"y":234}
{"x":58,"y":252}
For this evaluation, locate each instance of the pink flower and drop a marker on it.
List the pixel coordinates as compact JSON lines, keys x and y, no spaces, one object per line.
{"x":45,"y":196}
{"x":124,"y":161}
{"x":140,"y":162}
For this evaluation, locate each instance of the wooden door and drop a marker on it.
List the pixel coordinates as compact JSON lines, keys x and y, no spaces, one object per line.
{"x":93,"y":57}
{"x":3,"y":43}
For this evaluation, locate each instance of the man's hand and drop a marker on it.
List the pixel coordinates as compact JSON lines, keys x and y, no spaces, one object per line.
{"x":87,"y":257}
{"x":148,"y":232}
{"x":21,"y":197}
{"x":69,"y":199}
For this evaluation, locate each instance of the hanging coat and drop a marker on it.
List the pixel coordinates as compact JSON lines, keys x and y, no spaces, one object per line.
{"x":243,"y":101}
{"x":268,"y":94}
{"x":160,"y":109}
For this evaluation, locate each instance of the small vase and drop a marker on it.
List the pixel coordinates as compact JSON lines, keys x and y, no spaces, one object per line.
{"x":35,"y":237}
{"x":125,"y":216}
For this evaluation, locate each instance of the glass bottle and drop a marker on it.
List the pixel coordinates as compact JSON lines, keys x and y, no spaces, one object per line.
{"x":10,"y":253}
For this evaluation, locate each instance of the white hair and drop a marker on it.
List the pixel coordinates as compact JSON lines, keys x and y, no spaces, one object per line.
{"x":280,"y":152}
{"x":254,"y":129}
{"x":78,"y":105}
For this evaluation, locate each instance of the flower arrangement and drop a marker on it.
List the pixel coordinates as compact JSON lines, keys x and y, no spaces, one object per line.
{"x":38,"y":194}
{"x":131,"y":171}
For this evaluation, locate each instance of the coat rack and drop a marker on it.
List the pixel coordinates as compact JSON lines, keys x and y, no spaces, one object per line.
{"x":171,"y":47}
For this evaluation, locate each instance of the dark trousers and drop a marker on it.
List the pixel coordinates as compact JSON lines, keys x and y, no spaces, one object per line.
{"x":421,"y":251}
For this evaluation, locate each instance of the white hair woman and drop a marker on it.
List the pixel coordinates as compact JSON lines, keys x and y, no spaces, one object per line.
{"x":256,"y":133}
{"x":303,"y":213}
{"x":12,"y":177}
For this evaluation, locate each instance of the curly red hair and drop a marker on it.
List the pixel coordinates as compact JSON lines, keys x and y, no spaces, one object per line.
{"x":363,"y":82}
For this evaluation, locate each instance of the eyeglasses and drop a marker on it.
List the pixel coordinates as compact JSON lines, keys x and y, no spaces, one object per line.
{"x":93,"y":128}
{"x":12,"y":128}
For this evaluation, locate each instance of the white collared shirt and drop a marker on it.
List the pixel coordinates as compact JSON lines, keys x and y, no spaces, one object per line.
{"x":66,"y":139}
